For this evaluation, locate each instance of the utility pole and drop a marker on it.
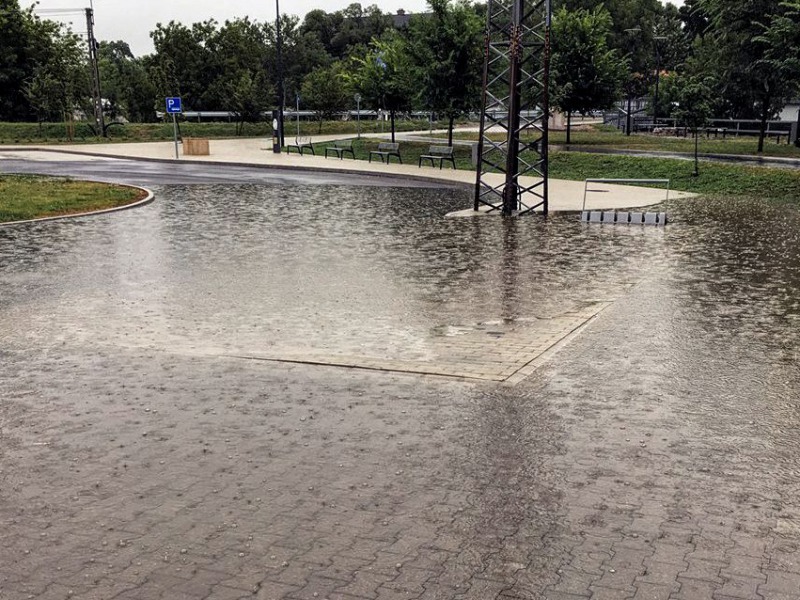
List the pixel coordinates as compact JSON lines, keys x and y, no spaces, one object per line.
{"x":100,"y":126}
{"x":516,"y":105}
{"x":281,"y":99}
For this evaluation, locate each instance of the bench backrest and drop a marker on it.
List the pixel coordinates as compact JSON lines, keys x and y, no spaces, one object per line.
{"x":388,"y":147}
{"x":302,"y":141}
{"x":343,"y":143}
{"x":441,"y":150}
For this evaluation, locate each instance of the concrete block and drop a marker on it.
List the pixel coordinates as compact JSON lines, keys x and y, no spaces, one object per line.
{"x":636,"y":218}
{"x":595,"y":216}
{"x":651,"y":218}
{"x":623,"y":217}
{"x":609,"y":216}
{"x":585,"y":216}
{"x":662,"y":218}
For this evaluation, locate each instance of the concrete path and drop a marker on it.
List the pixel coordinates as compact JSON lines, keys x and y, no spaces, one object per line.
{"x":564,"y":195}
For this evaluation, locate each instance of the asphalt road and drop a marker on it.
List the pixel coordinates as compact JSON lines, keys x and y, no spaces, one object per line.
{"x":148,"y":173}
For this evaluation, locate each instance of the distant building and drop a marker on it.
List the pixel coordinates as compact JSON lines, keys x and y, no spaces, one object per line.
{"x":789,"y":112}
{"x":402,"y":18}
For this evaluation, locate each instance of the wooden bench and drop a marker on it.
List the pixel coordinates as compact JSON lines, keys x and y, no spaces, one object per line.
{"x":440,"y":153}
{"x":385,"y":151}
{"x":340,"y":148}
{"x":299,"y":145}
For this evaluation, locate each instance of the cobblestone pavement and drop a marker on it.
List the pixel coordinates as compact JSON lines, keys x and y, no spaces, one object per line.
{"x":654,"y":456}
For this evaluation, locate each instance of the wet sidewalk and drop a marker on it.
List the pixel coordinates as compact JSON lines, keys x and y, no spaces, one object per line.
{"x":168,"y":429}
{"x":564,"y":195}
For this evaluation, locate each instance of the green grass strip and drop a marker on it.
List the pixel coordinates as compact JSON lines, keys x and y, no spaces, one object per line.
{"x":25,"y":197}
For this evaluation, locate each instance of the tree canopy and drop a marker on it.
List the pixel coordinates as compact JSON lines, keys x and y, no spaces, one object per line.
{"x":746,"y":51}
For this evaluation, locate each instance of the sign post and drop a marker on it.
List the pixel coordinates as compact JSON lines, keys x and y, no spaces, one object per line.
{"x":276,"y":131}
{"x":174,"y":108}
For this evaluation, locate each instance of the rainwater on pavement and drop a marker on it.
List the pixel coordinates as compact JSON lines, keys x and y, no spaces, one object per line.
{"x":296,"y":388}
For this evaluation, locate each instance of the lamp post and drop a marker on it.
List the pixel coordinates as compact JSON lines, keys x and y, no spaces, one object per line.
{"x":357,"y":98}
{"x":279,"y":45}
{"x":657,"y":39}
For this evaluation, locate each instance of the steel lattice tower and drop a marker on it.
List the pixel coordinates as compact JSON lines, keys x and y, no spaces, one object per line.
{"x":516,"y":105}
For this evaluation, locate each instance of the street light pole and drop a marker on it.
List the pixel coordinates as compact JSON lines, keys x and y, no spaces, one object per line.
{"x":656,"y":39}
{"x":358,"y":113}
{"x":281,"y":100}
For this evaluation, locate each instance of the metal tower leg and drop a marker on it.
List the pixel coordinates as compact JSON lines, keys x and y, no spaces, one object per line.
{"x":512,"y":149}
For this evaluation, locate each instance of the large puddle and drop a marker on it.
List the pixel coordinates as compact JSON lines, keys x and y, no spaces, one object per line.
{"x":379,"y":278}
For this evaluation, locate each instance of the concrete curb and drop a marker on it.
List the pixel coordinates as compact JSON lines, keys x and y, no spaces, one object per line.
{"x":146,"y":200}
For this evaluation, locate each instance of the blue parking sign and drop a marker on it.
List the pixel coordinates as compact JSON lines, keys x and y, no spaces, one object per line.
{"x":174,"y":106}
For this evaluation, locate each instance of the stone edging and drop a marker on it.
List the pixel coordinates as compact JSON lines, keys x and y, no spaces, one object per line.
{"x":146,"y":200}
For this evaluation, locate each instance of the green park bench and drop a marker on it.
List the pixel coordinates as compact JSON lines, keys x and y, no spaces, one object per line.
{"x":299,"y":145}
{"x":340,"y":148}
{"x":440,"y":153}
{"x":385,"y":151}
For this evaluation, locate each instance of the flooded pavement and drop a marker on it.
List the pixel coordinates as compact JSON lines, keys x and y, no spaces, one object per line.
{"x":613,"y":412}
{"x":147,"y":173}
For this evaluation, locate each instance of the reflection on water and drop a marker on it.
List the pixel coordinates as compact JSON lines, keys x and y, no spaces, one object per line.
{"x":250,"y":268}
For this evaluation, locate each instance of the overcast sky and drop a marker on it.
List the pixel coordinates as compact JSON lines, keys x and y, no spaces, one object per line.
{"x":132,"y":20}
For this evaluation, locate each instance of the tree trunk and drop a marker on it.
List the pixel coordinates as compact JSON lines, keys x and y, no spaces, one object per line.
{"x":797,"y":133}
{"x":569,"y":127}
{"x":628,"y":119}
{"x":762,"y":130}
{"x":391,"y":115}
{"x":450,"y":131}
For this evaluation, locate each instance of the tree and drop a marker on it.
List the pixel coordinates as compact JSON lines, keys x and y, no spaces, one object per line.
{"x":303,"y":52}
{"x":42,"y":66}
{"x":358,"y":26}
{"x":326,"y":92}
{"x":383,"y":75}
{"x":14,"y":66}
{"x":182,"y":54}
{"x":127,"y":87}
{"x":747,"y":36}
{"x":782,"y":48}
{"x":447,"y":53}
{"x":59,"y":80}
{"x":627,"y":16}
{"x":695,"y":19}
{"x":586,"y":73}
{"x":694,"y":100}
{"x":248,"y":98}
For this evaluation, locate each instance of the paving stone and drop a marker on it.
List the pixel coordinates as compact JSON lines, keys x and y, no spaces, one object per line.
{"x":648,"y":591}
{"x":695,"y":589}
{"x":607,"y":593}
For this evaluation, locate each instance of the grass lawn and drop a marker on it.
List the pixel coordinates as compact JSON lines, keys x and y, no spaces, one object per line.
{"x":715,"y":178}
{"x":603,"y":136}
{"x":55,"y":133}
{"x":30,"y":197}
